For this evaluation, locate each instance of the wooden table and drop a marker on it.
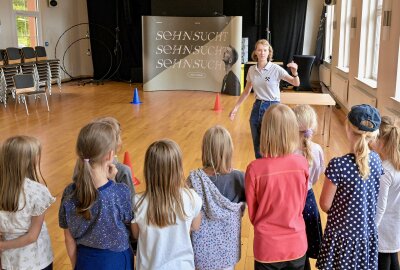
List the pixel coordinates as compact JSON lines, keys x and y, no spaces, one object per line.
{"x":318,"y":99}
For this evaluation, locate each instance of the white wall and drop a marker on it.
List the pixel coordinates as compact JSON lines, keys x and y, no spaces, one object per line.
{"x":54,"y":22}
{"x":314,"y":9}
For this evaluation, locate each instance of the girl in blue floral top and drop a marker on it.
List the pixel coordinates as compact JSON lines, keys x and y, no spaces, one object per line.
{"x":95,"y":211}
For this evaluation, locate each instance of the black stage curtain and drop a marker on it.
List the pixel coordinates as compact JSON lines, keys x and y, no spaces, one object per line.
{"x":115,"y":27}
{"x":288,"y":18}
{"x":287,"y":21}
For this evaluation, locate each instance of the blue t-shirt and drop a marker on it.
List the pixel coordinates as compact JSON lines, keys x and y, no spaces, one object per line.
{"x":109,"y":215}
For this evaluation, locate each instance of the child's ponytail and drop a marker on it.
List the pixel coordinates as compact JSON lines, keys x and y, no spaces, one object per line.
{"x":95,"y":140}
{"x":389,"y":137}
{"x":307,"y":120}
{"x":361,"y":148}
{"x":361,"y":152}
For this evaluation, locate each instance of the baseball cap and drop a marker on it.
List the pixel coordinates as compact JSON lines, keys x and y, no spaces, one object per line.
{"x":364,"y":112}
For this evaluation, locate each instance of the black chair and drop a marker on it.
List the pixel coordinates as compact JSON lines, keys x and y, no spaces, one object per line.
{"x":305,"y":63}
{"x":28,"y":54}
{"x":13,"y":55}
{"x":25,"y":86}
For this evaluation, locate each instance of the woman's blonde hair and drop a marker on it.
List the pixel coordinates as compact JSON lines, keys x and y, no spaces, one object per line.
{"x":389,"y":137}
{"x":115,"y":125}
{"x":307,"y":120}
{"x":163,"y":172}
{"x":217,"y":149}
{"x":361,"y":148}
{"x":263,"y":42}
{"x":279,"y":131}
{"x":19,"y":159}
{"x":95,"y":141}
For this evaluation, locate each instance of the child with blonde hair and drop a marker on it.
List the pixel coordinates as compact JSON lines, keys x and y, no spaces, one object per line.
{"x":350,"y":195}
{"x":25,"y":242}
{"x":124,"y":174}
{"x":217,"y":243}
{"x":388,"y":210}
{"x":94,"y":210}
{"x":166,"y":212}
{"x":307,"y":120}
{"x":276,"y":190}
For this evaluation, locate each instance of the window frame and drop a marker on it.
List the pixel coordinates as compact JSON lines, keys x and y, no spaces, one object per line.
{"x":370,"y":40}
{"x":32,"y":14}
{"x":344,"y":38}
{"x":330,"y":19}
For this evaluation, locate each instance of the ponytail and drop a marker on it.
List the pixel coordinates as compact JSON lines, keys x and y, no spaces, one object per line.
{"x":85,"y":191}
{"x":361,"y":148}
{"x":361,"y":152}
{"x":306,"y":145}
{"x":389,"y":136}
{"x":95,"y":140}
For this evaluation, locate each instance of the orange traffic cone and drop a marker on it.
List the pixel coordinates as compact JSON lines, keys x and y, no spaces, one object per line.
{"x":217,"y":104}
{"x":127,"y":162}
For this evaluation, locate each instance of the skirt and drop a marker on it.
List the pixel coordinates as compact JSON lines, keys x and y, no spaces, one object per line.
{"x":313,"y":225}
{"x":103,"y":259}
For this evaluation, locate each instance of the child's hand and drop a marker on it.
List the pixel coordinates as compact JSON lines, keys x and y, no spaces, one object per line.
{"x":112,"y":171}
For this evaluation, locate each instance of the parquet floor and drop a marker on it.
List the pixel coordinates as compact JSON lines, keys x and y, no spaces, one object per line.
{"x":182,"y":116}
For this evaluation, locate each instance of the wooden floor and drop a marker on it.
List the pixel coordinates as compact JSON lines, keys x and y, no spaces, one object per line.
{"x":182,"y":116}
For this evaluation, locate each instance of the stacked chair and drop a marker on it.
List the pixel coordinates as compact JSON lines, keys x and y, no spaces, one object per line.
{"x":53,"y":66}
{"x":27,"y":61}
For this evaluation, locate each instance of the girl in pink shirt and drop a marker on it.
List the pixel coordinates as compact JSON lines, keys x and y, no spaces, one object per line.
{"x":276,"y":190}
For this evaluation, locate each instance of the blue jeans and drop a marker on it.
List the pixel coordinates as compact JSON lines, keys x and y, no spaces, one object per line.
{"x":257,"y":113}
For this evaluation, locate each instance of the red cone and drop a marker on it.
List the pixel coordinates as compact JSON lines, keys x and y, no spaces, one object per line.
{"x":217,"y":104}
{"x":127,"y":162}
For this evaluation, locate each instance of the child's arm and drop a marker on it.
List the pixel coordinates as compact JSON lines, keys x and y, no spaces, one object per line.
{"x":30,"y":237}
{"x":327,"y":195}
{"x":196,"y":223}
{"x":70,"y":244}
{"x":135,"y":230}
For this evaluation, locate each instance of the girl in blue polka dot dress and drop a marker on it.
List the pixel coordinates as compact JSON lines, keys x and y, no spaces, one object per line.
{"x":349,"y":196}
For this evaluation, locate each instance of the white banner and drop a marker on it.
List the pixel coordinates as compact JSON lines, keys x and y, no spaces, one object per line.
{"x":192,"y":53}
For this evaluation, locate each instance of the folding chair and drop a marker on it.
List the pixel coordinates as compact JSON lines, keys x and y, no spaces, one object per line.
{"x":25,"y":86}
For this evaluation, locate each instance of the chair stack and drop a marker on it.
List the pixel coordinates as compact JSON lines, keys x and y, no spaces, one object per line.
{"x":27,"y":60}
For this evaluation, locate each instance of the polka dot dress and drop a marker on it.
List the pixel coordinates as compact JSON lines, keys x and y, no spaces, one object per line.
{"x":350,"y":239}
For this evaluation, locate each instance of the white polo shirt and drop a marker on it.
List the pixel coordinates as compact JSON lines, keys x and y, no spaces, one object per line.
{"x":265,"y":81}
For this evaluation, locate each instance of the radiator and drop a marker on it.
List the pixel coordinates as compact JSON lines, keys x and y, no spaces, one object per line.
{"x":340,"y":87}
{"x":325,"y":75}
{"x":360,"y":96}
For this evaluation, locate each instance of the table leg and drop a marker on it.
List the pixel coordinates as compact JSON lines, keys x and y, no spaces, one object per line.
{"x":329,"y":125}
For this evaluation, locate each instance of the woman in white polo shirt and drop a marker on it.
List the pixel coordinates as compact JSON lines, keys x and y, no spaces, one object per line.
{"x":264,"y":79}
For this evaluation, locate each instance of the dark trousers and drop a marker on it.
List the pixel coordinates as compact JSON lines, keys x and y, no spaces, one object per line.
{"x":256,"y":116}
{"x":297,"y":264}
{"x":388,"y":261}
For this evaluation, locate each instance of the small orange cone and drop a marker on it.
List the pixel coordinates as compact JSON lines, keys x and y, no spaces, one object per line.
{"x":127,"y":162}
{"x":217,"y":104}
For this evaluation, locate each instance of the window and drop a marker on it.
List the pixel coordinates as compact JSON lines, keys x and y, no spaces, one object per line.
{"x":330,"y":15}
{"x":344,"y":41}
{"x":27,"y":22}
{"x":370,"y":39}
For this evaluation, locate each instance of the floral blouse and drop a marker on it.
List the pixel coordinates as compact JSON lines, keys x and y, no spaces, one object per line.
{"x":34,"y":201}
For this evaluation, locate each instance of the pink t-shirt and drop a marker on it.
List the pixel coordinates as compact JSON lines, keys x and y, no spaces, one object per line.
{"x":276,"y":191}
